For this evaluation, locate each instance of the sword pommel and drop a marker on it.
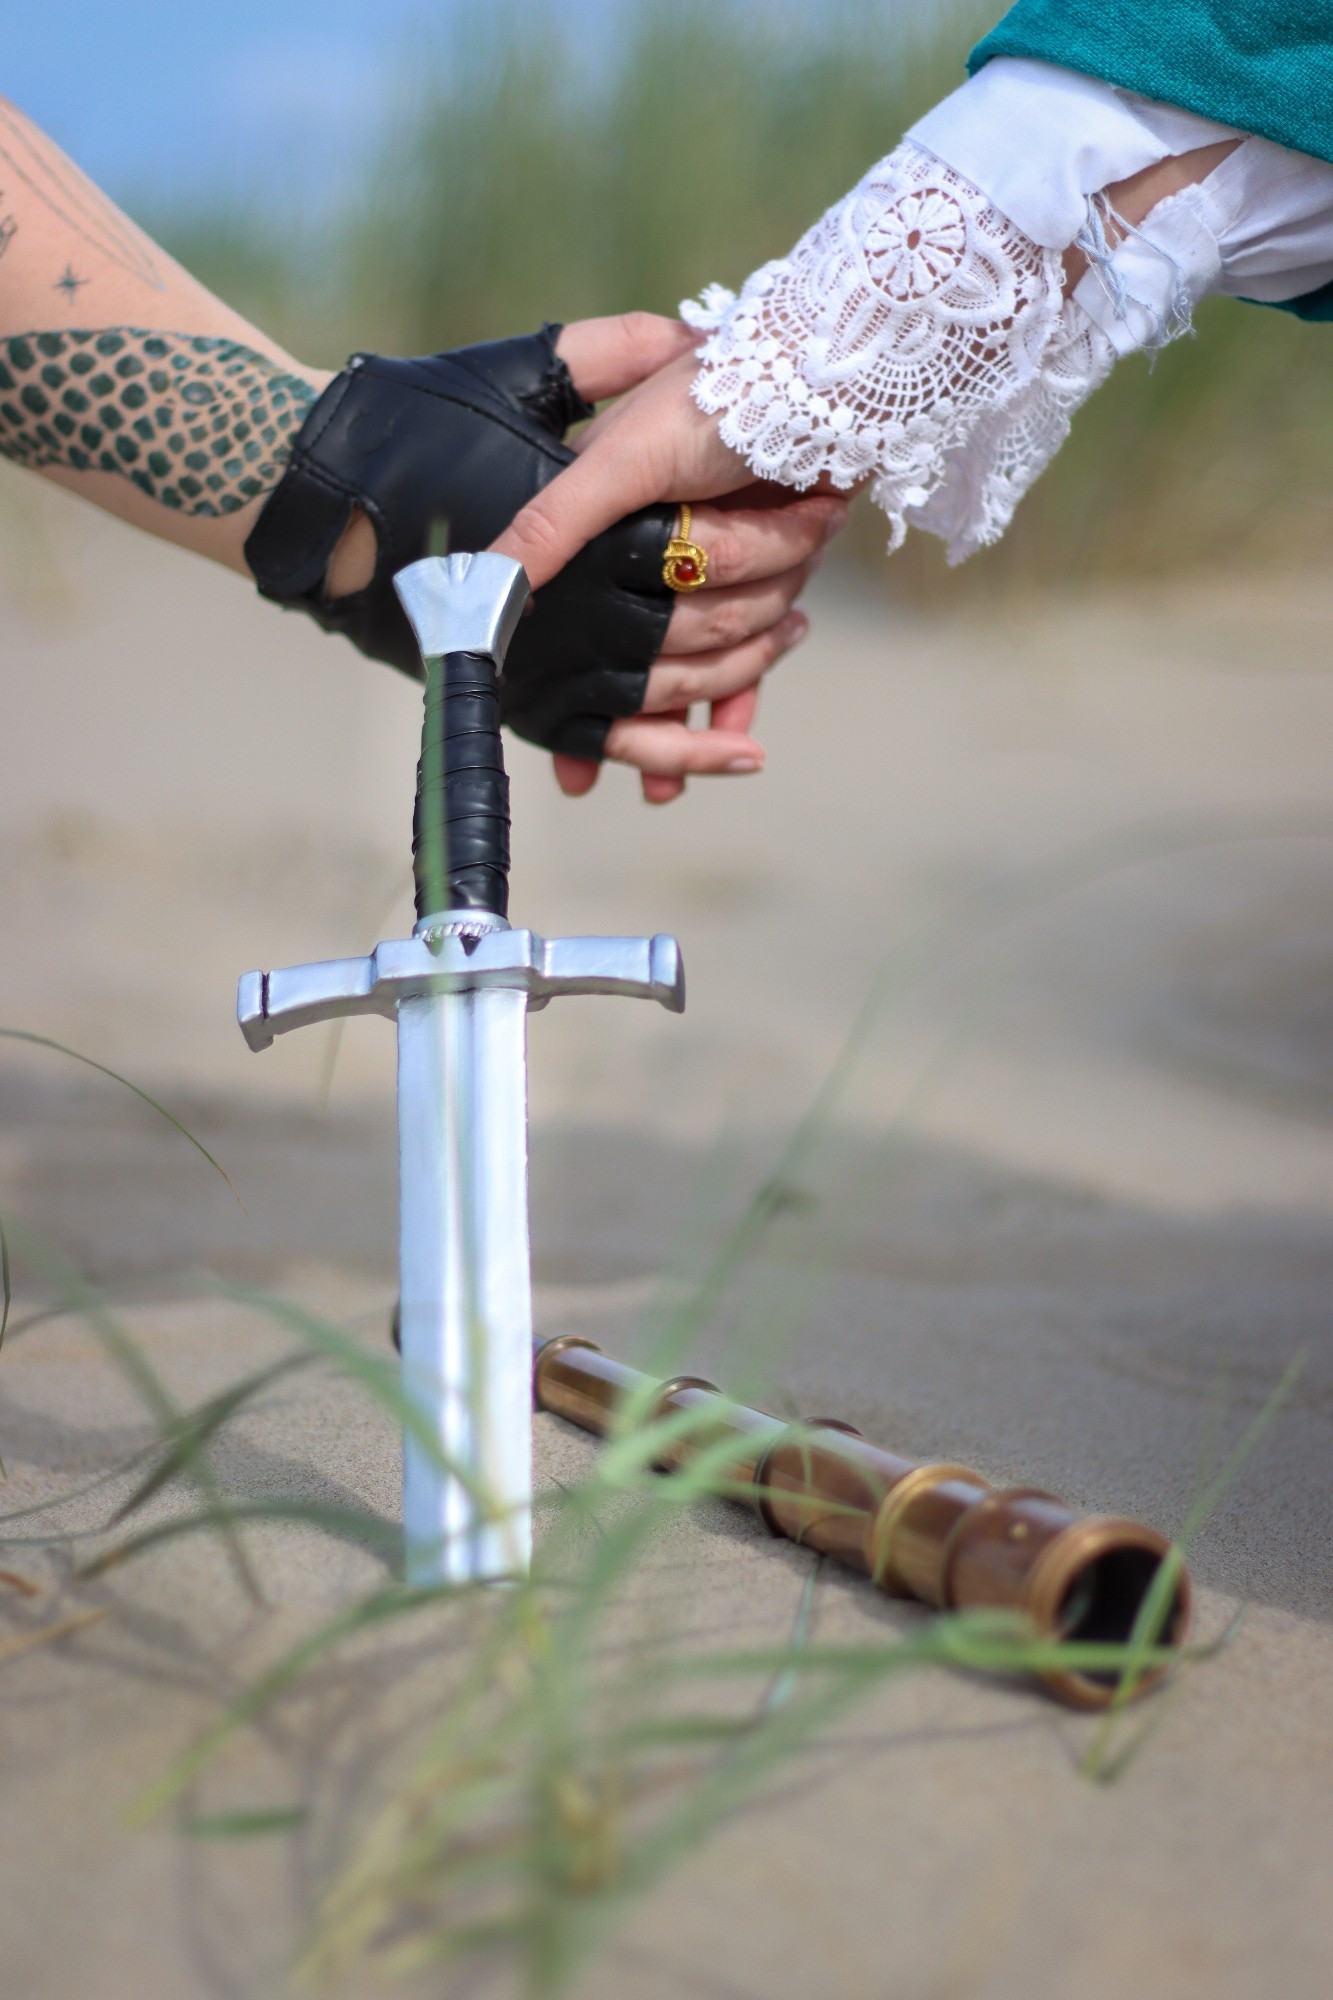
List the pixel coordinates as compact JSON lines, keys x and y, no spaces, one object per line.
{"x":464,"y":603}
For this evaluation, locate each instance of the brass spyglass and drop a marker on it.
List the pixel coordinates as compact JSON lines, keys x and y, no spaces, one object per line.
{"x":940,"y":1533}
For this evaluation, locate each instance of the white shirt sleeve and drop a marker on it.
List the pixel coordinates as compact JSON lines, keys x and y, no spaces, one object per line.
{"x":918,"y":338}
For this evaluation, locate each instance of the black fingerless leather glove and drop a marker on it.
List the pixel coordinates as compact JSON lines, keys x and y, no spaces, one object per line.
{"x":463,"y":440}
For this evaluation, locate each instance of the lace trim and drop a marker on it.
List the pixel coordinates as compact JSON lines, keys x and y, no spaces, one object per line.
{"x":914,"y":338}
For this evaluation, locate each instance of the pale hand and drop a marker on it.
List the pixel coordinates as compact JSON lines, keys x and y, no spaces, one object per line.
{"x":763,"y":543}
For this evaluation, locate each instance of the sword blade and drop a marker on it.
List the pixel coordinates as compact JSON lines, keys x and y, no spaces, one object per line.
{"x":465,"y":1312}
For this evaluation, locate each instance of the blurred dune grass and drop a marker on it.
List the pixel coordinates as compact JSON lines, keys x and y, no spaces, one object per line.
{"x":528,"y":170}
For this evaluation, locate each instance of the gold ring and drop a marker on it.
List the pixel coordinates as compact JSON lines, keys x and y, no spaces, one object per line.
{"x":685,"y":564}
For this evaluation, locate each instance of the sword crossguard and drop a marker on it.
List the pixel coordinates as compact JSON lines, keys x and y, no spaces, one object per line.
{"x":269,"y":1004}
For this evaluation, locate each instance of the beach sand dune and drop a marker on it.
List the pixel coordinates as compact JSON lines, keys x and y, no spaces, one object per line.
{"x":1071,"y":1218}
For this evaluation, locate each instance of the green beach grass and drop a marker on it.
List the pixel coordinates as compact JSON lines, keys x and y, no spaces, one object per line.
{"x":515,"y":181}
{"x":564,"y":1768}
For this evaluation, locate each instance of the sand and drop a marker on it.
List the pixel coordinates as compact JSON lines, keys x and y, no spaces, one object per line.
{"x":1072,"y":1219}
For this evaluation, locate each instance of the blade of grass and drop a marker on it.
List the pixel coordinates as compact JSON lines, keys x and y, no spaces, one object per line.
{"x":6,"y":1284}
{"x":46,"y":1635}
{"x":937,"y":946}
{"x":1113,"y":1764}
{"x":381,"y":1377}
{"x":1156,"y":1606}
{"x":787,"y":1679}
{"x":338,"y":1027}
{"x":257,"y":1823}
{"x":392,"y":1603}
{"x":66,"y":1498}
{"x":202,"y":1424}
{"x":75,"y":1055}
{"x":138,"y":1370}
{"x":350,"y":1524}
{"x":8,"y":1299}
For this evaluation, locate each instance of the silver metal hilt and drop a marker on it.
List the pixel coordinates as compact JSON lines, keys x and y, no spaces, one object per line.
{"x":461,"y":988}
{"x":464,"y":611}
{"x":463,"y":604}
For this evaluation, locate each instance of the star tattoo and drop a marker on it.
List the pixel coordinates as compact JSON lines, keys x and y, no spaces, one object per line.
{"x":68,"y":283}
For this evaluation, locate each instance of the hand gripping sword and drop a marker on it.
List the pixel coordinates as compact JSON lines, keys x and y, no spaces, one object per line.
{"x":461,"y":988}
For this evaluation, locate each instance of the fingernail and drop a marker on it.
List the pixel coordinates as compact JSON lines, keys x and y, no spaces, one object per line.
{"x":740,"y":765}
{"x":797,"y":627}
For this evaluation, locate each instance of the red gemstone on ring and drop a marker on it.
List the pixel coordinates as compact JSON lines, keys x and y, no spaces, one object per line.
{"x":687,"y":570}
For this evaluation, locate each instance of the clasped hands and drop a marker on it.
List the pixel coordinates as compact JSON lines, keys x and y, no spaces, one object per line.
{"x":763,"y":542}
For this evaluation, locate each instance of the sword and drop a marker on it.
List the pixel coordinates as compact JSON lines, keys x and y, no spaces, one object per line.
{"x":461,"y":988}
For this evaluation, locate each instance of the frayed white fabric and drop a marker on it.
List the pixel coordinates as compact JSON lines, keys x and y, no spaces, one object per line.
{"x":914,"y":337}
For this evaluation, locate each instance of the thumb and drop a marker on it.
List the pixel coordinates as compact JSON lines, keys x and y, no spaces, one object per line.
{"x":604,"y":483}
{"x":607,"y":356}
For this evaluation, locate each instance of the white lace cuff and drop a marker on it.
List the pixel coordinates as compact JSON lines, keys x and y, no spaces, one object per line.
{"x":914,"y":338}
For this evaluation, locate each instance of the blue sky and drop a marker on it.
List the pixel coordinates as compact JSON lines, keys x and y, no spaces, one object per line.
{"x":162,"y":102}
{"x":152,"y":96}
{"x":170,"y":100}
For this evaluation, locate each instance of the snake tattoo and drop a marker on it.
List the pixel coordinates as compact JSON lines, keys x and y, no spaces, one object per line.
{"x":200,"y":424}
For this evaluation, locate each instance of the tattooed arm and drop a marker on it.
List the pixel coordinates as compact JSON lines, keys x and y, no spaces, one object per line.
{"x":126,"y":381}
{"x":121,"y":376}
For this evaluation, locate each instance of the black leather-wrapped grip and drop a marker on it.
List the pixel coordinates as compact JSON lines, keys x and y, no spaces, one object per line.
{"x":460,"y":828}
{"x":459,"y":442}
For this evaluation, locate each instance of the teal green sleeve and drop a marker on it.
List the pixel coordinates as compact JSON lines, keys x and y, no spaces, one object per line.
{"x":1311,"y":305}
{"x":1264,"y":66}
